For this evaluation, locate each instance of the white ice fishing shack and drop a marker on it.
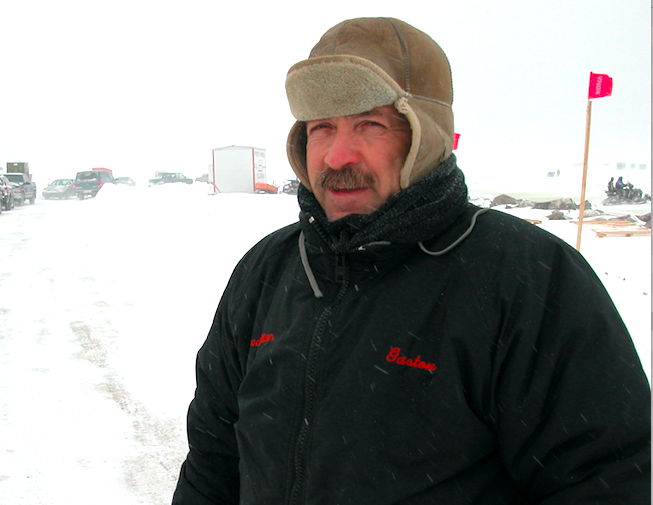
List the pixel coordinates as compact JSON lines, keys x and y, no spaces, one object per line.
{"x":239,"y":169}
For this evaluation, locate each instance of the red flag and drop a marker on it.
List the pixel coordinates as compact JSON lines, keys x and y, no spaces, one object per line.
{"x":456,"y":136}
{"x":600,"y":86}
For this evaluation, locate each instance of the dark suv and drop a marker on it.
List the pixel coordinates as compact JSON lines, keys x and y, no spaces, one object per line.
{"x":6,"y":194}
{"x":89,"y":182}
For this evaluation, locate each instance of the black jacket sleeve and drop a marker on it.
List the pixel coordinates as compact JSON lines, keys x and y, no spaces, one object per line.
{"x":572,"y":401}
{"x":210,"y":474}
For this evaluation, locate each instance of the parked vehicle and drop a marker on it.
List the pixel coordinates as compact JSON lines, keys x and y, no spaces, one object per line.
{"x":125,"y":180}
{"x":290,"y":186}
{"x":90,"y":182}
{"x":170,"y":178}
{"x":26,"y":188}
{"x":59,"y":188}
{"x":7,"y":189}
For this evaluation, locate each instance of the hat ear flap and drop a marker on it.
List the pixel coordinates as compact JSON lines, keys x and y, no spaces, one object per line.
{"x":296,"y":151}
{"x":435,"y":143}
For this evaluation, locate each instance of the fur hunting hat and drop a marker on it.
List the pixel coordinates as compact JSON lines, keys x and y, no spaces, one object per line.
{"x":365,"y":63}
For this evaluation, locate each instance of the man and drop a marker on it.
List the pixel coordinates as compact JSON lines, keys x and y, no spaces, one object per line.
{"x":619,"y":187}
{"x":399,"y":345}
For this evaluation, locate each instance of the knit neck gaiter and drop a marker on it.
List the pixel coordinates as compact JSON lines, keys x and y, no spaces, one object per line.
{"x":417,"y":213}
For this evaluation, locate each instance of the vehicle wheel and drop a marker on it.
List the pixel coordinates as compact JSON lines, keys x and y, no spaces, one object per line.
{"x":32,"y":200}
{"x":81,"y":197}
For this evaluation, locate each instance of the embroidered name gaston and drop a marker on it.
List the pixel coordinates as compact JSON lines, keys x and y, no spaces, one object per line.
{"x":394,"y":357}
{"x":265,"y":337}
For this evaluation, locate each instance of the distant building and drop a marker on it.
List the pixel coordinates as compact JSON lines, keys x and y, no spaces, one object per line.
{"x":239,"y":169}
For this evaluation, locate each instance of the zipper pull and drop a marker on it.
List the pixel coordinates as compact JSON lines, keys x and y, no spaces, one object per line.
{"x":340,"y":268}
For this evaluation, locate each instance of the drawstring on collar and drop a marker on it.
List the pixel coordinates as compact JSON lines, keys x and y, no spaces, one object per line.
{"x":458,"y":240}
{"x":307,"y":267}
{"x":311,"y":276}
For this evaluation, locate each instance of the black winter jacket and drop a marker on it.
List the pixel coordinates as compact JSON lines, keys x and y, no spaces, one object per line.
{"x":499,"y":372}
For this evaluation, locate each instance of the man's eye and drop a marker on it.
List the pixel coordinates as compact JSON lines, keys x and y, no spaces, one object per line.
{"x":316,"y":128}
{"x":373,"y":126}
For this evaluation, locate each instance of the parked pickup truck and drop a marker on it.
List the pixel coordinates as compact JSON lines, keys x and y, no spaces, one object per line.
{"x":25,"y":190}
{"x":170,"y":177}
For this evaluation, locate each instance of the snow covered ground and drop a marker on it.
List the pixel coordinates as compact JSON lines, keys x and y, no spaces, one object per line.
{"x":105,"y":303}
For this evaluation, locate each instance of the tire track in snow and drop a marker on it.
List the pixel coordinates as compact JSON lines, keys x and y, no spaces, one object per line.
{"x":154,"y":469}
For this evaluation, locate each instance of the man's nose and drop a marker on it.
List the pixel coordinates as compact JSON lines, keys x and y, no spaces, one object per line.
{"x":343,"y":151}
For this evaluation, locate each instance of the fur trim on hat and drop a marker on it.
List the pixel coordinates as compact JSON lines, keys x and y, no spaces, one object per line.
{"x":340,"y":85}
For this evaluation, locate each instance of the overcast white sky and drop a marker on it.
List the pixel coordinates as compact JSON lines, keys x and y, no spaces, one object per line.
{"x":143,"y":85}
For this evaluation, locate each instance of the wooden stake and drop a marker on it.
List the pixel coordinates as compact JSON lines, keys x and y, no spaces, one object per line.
{"x":582,"y":191}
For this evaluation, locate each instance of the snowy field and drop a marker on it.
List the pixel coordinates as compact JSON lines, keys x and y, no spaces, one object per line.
{"x":104,"y":305}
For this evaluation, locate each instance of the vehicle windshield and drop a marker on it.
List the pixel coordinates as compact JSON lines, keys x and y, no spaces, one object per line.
{"x":14,"y":177}
{"x":60,"y":182}
{"x":87,"y":176}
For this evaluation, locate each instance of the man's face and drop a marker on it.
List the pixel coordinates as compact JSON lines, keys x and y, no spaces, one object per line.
{"x":354,"y":161}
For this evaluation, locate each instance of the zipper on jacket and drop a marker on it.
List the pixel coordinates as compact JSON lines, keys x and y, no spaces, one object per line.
{"x":311,"y":384}
{"x":340,"y":268}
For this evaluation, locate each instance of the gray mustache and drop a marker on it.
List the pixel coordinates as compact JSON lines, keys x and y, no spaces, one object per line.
{"x":344,"y":178}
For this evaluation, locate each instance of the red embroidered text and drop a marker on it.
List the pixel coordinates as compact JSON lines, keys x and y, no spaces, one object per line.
{"x":395,"y":357}
{"x":265,"y":337}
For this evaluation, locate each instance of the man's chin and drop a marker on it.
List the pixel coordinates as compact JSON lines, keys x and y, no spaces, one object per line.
{"x":341,"y":203}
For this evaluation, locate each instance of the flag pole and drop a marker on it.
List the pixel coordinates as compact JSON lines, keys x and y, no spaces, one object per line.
{"x":582,"y":191}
